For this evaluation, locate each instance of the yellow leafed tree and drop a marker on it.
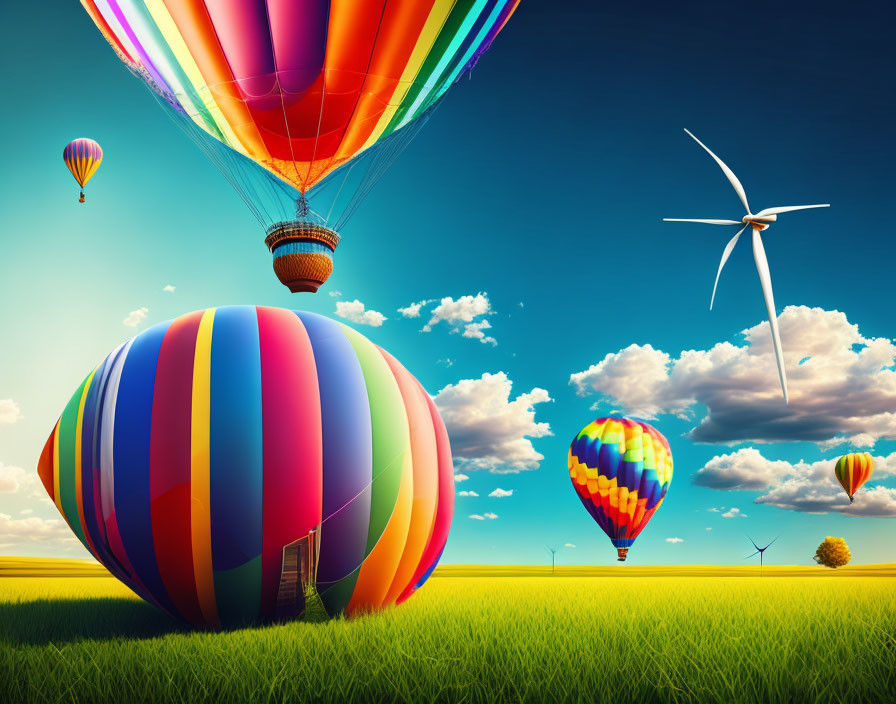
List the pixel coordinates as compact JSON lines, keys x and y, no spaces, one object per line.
{"x":833,"y":552}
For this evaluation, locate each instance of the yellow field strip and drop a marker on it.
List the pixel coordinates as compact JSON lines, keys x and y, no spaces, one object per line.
{"x":884,"y":570}
{"x":51,"y":567}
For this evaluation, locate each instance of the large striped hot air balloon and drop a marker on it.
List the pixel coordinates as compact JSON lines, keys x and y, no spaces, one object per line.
{"x":302,"y":89}
{"x":621,"y":469}
{"x":243,"y":464}
{"x":82,"y":157}
{"x":852,"y":471}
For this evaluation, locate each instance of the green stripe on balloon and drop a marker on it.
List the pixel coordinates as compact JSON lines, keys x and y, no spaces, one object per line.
{"x":68,"y":428}
{"x":389,"y":426}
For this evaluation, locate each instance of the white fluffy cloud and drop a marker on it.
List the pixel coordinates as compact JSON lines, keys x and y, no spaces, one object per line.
{"x":412,"y":310}
{"x":16,"y":533}
{"x":335,"y":294}
{"x":467,"y":493}
{"x":842,"y":385}
{"x":135,"y":317}
{"x":501,"y":493}
{"x":566,"y":545}
{"x":15,"y":480}
{"x":354,"y":312}
{"x":484,"y":516}
{"x":461,"y":316}
{"x":734,"y":513}
{"x":744,"y":469}
{"x":488,"y":430}
{"x":475,"y":331}
{"x":460,"y":477}
{"x":9,"y":411}
{"x":169,"y":288}
{"x":808,"y":487}
{"x":11,"y":478}
{"x":674,"y":540}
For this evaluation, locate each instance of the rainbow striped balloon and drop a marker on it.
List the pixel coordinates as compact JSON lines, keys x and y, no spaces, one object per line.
{"x":621,"y":469}
{"x":852,"y":471}
{"x":242,"y":463}
{"x":82,"y":157}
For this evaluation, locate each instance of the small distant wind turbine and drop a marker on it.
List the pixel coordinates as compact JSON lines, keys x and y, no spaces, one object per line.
{"x":758,"y":222}
{"x":759,"y":551}
{"x":553,"y":551}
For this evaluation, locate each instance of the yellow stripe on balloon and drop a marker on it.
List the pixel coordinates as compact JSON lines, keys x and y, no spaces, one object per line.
{"x":200,"y":486}
{"x":431,"y":28}
{"x":56,"y":491}
{"x":178,"y":47}
{"x":79,"y":495}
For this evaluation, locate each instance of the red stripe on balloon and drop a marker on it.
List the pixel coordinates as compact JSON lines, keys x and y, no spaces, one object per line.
{"x":292,"y":483}
{"x":45,"y":465}
{"x":169,"y":460}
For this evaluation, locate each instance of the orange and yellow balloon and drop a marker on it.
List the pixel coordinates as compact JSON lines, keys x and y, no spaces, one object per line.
{"x":853,"y":470}
{"x":82,"y":157}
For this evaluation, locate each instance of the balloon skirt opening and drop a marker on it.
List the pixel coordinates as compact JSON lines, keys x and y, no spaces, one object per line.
{"x":622,"y":553}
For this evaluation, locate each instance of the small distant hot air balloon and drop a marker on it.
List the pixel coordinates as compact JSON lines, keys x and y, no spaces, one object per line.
{"x":82,"y":157}
{"x":621,"y":469}
{"x":244,"y":464}
{"x":852,"y":471}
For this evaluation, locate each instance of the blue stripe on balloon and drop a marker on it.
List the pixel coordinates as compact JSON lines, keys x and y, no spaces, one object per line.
{"x":608,"y":460}
{"x":348,"y":452}
{"x":133,"y":416}
{"x":236,"y":455}
{"x":89,"y":465}
{"x":426,"y":575}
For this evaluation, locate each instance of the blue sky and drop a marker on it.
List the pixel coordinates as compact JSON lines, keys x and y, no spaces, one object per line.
{"x":541,"y":181}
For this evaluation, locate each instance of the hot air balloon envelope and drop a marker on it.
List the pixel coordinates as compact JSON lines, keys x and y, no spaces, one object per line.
{"x":621,"y":469}
{"x":301,"y":89}
{"x":242,"y":464}
{"x":82,"y":157}
{"x":852,"y":471}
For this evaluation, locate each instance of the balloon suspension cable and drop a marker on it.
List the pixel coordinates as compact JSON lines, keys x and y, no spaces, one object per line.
{"x":302,"y":208}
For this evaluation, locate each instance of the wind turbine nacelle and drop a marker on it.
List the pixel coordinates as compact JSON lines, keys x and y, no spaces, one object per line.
{"x":763,"y":222}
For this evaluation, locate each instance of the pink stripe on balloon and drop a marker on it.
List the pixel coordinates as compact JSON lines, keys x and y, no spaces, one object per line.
{"x":292,"y":483}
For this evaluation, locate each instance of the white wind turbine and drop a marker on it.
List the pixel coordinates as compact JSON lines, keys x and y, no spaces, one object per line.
{"x":758,"y":222}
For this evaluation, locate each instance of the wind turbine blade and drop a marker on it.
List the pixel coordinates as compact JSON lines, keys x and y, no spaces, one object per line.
{"x":727,"y":253}
{"x":765,"y":279}
{"x":789,"y":208}
{"x":738,"y":187}
{"x":749,"y":556}
{"x":769,"y":545}
{"x":705,"y":222}
{"x":754,"y":544}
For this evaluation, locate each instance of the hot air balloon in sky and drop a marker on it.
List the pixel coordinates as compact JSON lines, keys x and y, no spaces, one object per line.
{"x":241,"y":464}
{"x":621,"y":469}
{"x":82,"y":157}
{"x":852,"y":471}
{"x":300,"y":104}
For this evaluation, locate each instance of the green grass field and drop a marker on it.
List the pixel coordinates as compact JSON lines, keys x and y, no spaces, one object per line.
{"x":614,"y":634}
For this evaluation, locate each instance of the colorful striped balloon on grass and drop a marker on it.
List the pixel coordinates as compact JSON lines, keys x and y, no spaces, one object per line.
{"x":242,"y":464}
{"x":621,"y":469}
